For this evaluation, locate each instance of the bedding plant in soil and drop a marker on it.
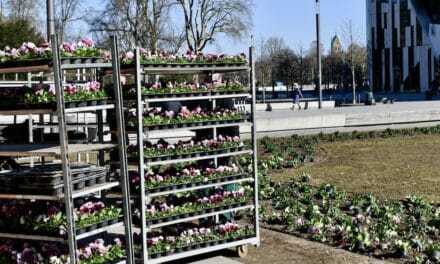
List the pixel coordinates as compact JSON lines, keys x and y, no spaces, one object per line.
{"x":405,"y":230}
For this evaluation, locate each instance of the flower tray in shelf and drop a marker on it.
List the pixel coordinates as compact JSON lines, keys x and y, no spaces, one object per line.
{"x":192,"y":124}
{"x":201,"y":93}
{"x":83,"y":60}
{"x":58,"y":189}
{"x":192,"y":246}
{"x":98,"y":225}
{"x":19,"y":229}
{"x":53,"y":105}
{"x":153,"y":221}
{"x":26,"y":63}
{"x":192,"y":65}
{"x":189,"y":155}
{"x":195,"y":154}
{"x":195,"y":183}
{"x":54,"y":175}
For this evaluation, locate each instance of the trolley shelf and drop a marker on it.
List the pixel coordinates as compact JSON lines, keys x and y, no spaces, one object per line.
{"x":187,"y":219}
{"x":58,"y":239}
{"x":53,"y":111}
{"x":76,"y":194}
{"x":190,"y":253}
{"x":47,"y":150}
{"x":86,"y":65}
{"x":199,"y":187}
{"x":190,"y":98}
{"x":172,"y":161}
{"x":242,"y":123}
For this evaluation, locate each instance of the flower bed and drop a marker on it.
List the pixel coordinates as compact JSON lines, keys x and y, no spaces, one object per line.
{"x":195,"y":203}
{"x":157,"y":119}
{"x":176,"y":240}
{"x":160,"y":179}
{"x":175,"y":89}
{"x":165,"y":151}
{"x":408,"y":229}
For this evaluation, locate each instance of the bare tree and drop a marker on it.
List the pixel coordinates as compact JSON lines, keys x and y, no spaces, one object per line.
{"x":355,"y":54}
{"x":144,"y":23}
{"x":22,"y":9}
{"x":205,"y":18}
{"x":68,"y":11}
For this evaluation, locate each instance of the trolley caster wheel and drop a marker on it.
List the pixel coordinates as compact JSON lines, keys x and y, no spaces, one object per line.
{"x":242,"y":251}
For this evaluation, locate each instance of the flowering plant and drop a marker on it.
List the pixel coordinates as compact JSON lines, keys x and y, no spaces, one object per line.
{"x":189,"y":203}
{"x":188,"y":87}
{"x":161,"y":117}
{"x":163,"y":57}
{"x":155,"y":178}
{"x":28,"y":50}
{"x":163,"y":148}
{"x":98,"y":252}
{"x":180,"y":237}
{"x":79,"y":92}
{"x":89,"y":213}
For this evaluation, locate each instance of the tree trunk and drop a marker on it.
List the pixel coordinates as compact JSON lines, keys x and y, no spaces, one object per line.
{"x":353,"y":85}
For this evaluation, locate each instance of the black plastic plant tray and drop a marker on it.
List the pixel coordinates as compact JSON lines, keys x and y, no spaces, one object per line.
{"x":53,"y":176}
{"x":190,"y":94}
{"x":178,"y":186}
{"x":191,"y":65}
{"x":192,"y":154}
{"x":193,"y":124}
{"x":58,"y":189}
{"x":152,"y":221}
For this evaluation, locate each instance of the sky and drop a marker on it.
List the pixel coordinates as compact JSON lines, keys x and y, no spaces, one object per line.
{"x":294,"y":21}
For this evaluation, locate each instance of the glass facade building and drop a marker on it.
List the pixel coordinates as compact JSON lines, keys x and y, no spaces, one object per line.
{"x":403,"y":44}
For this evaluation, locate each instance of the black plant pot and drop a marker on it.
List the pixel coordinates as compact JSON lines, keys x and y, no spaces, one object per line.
{"x":80,"y":231}
{"x":82,"y":104}
{"x":92,"y":103}
{"x":80,"y":185}
{"x":102,"y":224}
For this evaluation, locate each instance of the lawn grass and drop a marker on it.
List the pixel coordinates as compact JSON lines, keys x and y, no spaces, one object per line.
{"x":391,"y":168}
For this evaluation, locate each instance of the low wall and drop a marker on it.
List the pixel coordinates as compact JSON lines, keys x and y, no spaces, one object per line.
{"x":288,"y":105}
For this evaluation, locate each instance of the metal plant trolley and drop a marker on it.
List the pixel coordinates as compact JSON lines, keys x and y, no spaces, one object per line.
{"x":142,"y":103}
{"x":62,"y":151}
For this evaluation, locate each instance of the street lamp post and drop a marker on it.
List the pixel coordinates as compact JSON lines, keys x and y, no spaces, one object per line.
{"x":318,"y":48}
{"x":50,"y":7}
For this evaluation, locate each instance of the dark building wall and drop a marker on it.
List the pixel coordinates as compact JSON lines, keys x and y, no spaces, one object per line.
{"x":401,"y":58}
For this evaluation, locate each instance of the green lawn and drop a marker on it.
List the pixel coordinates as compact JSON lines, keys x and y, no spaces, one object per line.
{"x":390,"y":168}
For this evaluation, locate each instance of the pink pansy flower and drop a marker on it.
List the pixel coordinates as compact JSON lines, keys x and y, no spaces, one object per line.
{"x":15,"y":53}
{"x":169,"y":114}
{"x":67,"y":47}
{"x":184,"y":111}
{"x":106,"y":55}
{"x":129,"y":55}
{"x":87,"y":253}
{"x":52,"y":89}
{"x":88,"y":42}
{"x":71,"y":89}
{"x":197,"y":110}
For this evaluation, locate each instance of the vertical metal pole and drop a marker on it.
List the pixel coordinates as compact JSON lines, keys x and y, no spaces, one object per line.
{"x":318,"y":50}
{"x":100,"y":121}
{"x":68,"y":200}
{"x":120,"y":122}
{"x":254,"y":143}
{"x":140,"y":142}
{"x":50,"y":7}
